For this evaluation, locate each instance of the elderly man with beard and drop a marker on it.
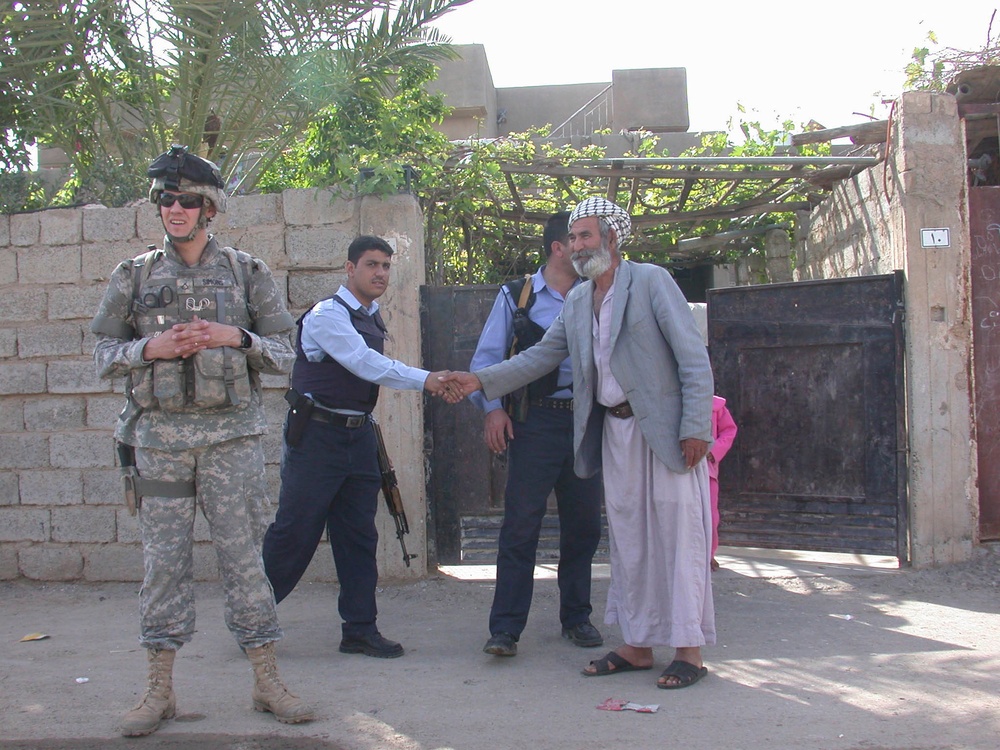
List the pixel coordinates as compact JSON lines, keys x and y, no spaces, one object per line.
{"x":642,"y":414}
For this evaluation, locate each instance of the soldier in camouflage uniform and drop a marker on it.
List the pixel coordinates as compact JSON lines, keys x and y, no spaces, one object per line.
{"x":190,"y":328}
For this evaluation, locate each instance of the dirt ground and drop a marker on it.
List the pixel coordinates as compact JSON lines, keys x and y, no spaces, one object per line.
{"x":826,"y":653}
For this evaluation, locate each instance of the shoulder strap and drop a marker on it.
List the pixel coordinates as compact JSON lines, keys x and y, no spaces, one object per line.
{"x":523,"y":290}
{"x":239,"y":259}
{"x":144,"y":265}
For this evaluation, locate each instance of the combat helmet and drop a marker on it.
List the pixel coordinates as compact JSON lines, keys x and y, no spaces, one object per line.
{"x":180,"y":171}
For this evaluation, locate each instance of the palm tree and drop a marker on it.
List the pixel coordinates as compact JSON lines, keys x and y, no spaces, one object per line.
{"x":115,"y":82}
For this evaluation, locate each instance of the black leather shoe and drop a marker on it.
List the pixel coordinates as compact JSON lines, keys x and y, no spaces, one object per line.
{"x":583,"y":634}
{"x":372,"y":644}
{"x":501,"y":644}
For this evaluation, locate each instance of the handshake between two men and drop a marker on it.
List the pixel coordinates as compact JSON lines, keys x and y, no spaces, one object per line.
{"x":452,"y":386}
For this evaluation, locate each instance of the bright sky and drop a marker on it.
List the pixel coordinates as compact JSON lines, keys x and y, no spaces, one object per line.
{"x":782,"y":60}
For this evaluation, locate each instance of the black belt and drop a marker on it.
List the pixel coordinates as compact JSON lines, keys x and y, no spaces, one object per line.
{"x":622,"y":410}
{"x":344,"y":420}
{"x":552,"y":403}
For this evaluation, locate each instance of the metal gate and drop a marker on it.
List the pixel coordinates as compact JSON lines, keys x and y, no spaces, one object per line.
{"x":465,"y":479}
{"x":813,"y":375}
{"x":984,"y":228}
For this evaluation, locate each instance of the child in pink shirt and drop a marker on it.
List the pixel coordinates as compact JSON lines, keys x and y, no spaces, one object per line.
{"x":724,"y":432}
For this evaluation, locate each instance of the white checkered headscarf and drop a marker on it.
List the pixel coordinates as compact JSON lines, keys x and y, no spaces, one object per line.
{"x":612,"y":213}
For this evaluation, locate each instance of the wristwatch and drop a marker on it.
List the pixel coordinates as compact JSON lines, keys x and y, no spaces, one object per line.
{"x":247,"y":341}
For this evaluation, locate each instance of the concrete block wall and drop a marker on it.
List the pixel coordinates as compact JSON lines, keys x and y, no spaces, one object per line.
{"x":62,"y":516}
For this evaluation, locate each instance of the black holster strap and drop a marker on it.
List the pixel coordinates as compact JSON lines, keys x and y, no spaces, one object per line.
{"x":162,"y":488}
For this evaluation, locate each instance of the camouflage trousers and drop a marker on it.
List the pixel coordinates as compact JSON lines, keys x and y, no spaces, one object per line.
{"x":231,"y":492}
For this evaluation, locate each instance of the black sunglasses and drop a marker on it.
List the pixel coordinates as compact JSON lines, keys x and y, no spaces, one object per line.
{"x":187,"y":200}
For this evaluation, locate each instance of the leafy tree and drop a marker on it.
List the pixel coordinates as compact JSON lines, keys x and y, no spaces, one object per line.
{"x":115,"y":82}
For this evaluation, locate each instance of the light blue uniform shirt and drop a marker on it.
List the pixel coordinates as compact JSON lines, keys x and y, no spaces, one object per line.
{"x":498,"y":333}
{"x":327,"y":329}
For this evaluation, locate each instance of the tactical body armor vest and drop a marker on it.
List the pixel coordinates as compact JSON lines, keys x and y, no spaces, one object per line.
{"x":167,"y":292}
{"x":328,"y":381}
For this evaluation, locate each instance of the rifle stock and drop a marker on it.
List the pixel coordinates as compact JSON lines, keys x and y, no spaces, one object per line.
{"x":390,"y":491}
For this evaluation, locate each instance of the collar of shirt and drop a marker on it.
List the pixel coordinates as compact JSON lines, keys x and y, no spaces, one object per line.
{"x":345,"y":294}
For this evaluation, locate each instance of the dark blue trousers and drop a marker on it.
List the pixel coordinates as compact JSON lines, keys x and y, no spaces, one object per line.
{"x":330,"y":479}
{"x":540,"y":460}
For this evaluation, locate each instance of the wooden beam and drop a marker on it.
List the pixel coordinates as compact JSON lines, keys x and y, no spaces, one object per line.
{"x":513,"y":193}
{"x":865,"y":132}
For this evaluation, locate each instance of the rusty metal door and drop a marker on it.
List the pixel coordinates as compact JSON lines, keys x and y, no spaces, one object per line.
{"x":813,"y":375}
{"x":984,"y":228}
{"x":465,"y":479}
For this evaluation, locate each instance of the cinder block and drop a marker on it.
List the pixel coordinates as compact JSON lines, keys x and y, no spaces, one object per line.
{"x":275,"y":384}
{"x":45,"y":562}
{"x":272,"y":473}
{"x":22,"y":377}
{"x":8,"y":342}
{"x":306,"y":288}
{"x":24,"y":524}
{"x":49,"y":414}
{"x":99,"y":260}
{"x":23,"y":451}
{"x":60,"y":226}
{"x":76,"y":301}
{"x":51,"y":487}
{"x":103,"y":411}
{"x":314,"y":247}
{"x":8,"y":488}
{"x":266,"y":243}
{"x":49,"y":265}
{"x":206,"y":562}
{"x":102,"y":224}
{"x":94,"y":525}
{"x":127,"y":526}
{"x":272,"y":445}
{"x":57,"y":340}
{"x":12,"y":414}
{"x":113,"y":562}
{"x":24,"y":229}
{"x":21,"y":305}
{"x":103,"y":486}
{"x":8,"y":262}
{"x":316,"y":207}
{"x":81,"y":450}
{"x":251,"y":211}
{"x":75,"y":376}
{"x":8,"y":562}
{"x":4,"y":229}
{"x":149,"y":227}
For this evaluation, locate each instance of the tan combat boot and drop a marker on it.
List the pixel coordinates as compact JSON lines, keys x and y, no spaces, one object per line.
{"x":158,"y":703}
{"x":270,"y":693}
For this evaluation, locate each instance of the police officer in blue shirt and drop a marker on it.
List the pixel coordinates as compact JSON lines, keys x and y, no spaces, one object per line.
{"x":329,"y":466}
{"x":536,"y":428}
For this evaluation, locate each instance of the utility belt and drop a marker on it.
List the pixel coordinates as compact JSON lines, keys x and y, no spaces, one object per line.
{"x":303,"y":409}
{"x":552,"y":403}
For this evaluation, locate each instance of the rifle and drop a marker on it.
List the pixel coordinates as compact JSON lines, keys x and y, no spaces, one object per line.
{"x":390,"y":491}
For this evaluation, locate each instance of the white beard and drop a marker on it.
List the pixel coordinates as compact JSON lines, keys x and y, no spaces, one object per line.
{"x":593,"y":266}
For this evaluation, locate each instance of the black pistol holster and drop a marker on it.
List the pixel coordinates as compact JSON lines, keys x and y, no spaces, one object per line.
{"x":130,"y":476}
{"x":299,"y":413}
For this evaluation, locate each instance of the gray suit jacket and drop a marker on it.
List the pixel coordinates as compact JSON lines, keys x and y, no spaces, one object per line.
{"x":657,"y":355}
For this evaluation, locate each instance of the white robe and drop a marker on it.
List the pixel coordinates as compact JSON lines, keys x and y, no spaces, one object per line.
{"x":659,"y":527}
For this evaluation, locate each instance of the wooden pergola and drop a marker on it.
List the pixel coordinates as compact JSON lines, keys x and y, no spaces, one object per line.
{"x":742,"y":192}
